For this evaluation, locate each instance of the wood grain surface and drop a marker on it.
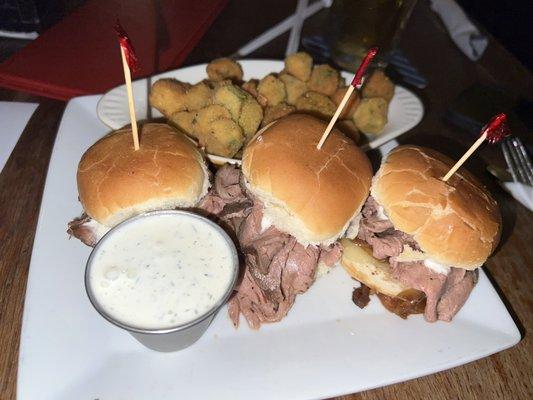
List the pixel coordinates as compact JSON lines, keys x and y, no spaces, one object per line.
{"x":506,"y":375}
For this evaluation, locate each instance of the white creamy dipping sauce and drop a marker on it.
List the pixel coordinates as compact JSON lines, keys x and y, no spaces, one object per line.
{"x":161,"y":271}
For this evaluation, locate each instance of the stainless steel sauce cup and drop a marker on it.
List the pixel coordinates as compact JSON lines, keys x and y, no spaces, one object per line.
{"x":179,"y":336}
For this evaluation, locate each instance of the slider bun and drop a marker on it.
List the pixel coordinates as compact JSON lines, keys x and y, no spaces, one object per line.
{"x":311,"y":194}
{"x":456,"y":223}
{"x":115,"y":182}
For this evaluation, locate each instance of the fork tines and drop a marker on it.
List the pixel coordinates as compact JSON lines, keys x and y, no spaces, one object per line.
{"x":518,"y":160}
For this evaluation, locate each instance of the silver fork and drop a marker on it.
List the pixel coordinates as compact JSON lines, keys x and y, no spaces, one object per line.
{"x":518,"y":160}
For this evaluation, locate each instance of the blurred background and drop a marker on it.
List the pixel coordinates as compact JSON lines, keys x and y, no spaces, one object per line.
{"x":507,"y":20}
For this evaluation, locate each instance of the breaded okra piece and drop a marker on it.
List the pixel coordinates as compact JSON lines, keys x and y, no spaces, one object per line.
{"x":299,"y":65}
{"x":371,"y":115}
{"x":316,"y":103}
{"x":273,"y":89}
{"x":168,"y":96}
{"x":324,"y":79}
{"x":378,"y":85}
{"x":224,"y":68}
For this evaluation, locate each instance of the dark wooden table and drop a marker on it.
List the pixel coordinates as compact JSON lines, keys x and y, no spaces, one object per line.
{"x":504,"y":375}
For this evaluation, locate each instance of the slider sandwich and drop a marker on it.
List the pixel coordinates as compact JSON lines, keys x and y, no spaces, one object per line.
{"x":288,"y":206}
{"x":115,"y":182}
{"x":421,"y":239}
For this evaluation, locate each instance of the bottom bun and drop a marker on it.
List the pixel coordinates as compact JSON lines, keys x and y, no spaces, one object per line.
{"x":358,"y":261}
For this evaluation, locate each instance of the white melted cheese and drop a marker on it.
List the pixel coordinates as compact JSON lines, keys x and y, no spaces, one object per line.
{"x":266,"y":223}
{"x":353,"y":228}
{"x":162,"y":271}
{"x":436,"y":266}
{"x":381,"y":214}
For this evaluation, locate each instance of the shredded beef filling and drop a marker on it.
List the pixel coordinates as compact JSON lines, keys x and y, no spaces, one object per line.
{"x":445,"y":294}
{"x":361,"y":296}
{"x":276,"y":266}
{"x":81,"y":229}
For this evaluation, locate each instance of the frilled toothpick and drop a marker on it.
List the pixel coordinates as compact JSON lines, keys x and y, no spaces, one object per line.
{"x":129,"y":64}
{"x":356,"y":84}
{"x":493,"y":132}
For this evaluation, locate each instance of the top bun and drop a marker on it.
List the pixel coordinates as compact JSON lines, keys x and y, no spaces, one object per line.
{"x":311,"y":194}
{"x":456,"y":223}
{"x":115,"y":182}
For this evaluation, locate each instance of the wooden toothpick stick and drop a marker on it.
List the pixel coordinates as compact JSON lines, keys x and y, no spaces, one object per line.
{"x":494,"y":131}
{"x":129,"y":63}
{"x":356,"y":84}
{"x":131,"y":104}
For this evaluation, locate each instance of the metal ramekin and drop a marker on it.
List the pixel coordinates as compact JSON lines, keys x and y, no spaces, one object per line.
{"x":180,"y":336}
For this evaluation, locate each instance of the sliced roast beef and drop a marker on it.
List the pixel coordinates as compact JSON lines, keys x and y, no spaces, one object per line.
{"x":330,"y":255}
{"x":265,"y":258}
{"x":300,"y":269}
{"x":417,"y":276}
{"x":251,"y":226}
{"x":228,"y":183}
{"x":361,"y":296}
{"x":445,"y":294}
{"x":84,"y":229}
{"x":276,"y":266}
{"x":227,"y":199}
{"x":458,"y":287}
{"x":380,"y":233}
{"x":252,"y":302}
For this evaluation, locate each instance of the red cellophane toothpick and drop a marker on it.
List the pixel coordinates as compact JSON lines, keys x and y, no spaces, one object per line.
{"x":496,"y":129}
{"x":356,"y":84}
{"x":358,"y":78}
{"x":129,"y":63}
{"x":126,"y":47}
{"x":493,"y":132}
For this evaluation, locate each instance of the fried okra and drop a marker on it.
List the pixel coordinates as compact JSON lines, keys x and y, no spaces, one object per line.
{"x":378,"y":85}
{"x":352,"y":104}
{"x":324,"y":79}
{"x":223,"y":138}
{"x":293,"y":86}
{"x":273,"y":89}
{"x":183,"y":120}
{"x":224,"y":68}
{"x":220,"y":138}
{"x":169,"y":96}
{"x":299,"y":65}
{"x":198,"y":96}
{"x":316,"y":103}
{"x":251,"y":87}
{"x":251,"y":116}
{"x":276,"y":112}
{"x":232,"y":97}
{"x":371,"y":115}
{"x":203,"y":118}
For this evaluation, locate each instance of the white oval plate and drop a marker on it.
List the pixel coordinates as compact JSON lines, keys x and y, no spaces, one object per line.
{"x":405,"y":110}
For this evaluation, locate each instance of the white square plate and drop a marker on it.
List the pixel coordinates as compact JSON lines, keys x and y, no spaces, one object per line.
{"x":325,"y":347}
